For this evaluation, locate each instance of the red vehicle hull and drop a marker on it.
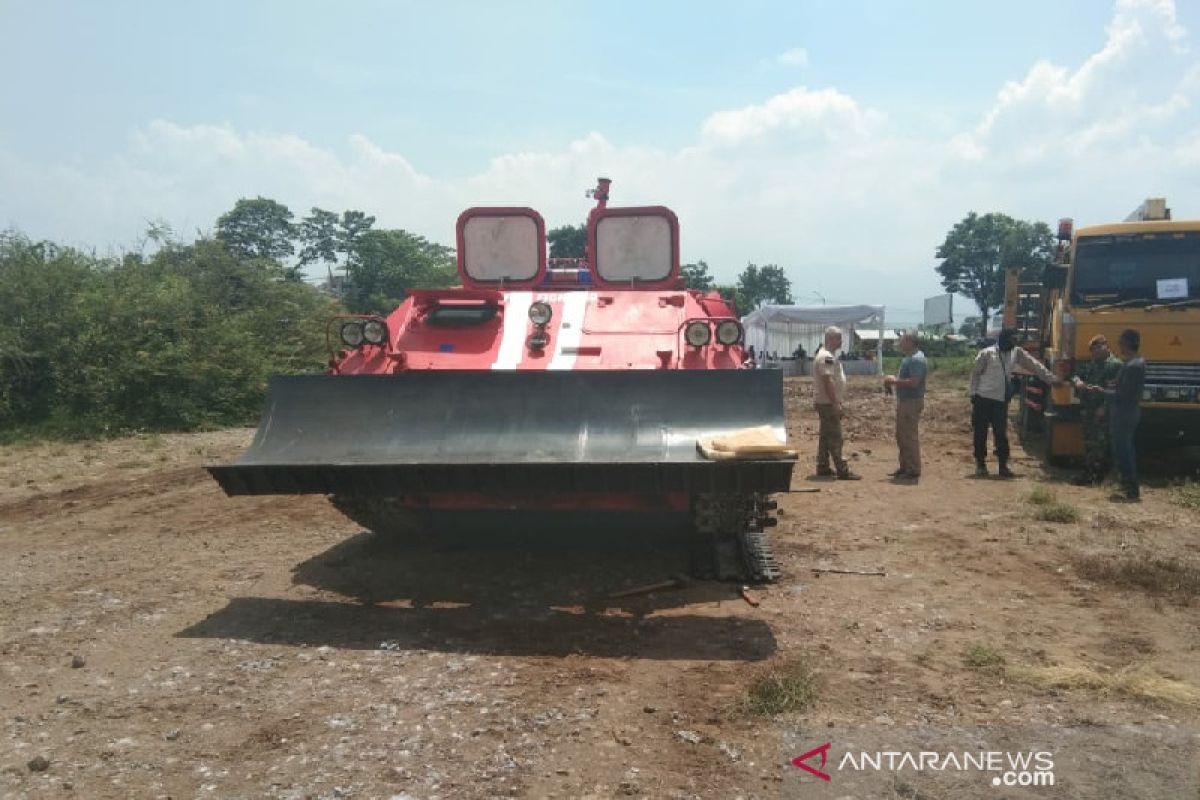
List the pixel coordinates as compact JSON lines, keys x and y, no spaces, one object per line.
{"x":533,"y":387}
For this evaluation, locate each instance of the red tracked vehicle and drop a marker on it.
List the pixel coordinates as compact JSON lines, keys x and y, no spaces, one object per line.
{"x":535,"y":387}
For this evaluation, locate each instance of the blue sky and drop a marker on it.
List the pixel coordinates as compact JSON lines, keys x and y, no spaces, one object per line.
{"x":839,"y":140}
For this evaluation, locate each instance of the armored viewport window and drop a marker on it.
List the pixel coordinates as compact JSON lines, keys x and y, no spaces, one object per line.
{"x":461,"y":316}
{"x":500,"y":248}
{"x":633,"y":248}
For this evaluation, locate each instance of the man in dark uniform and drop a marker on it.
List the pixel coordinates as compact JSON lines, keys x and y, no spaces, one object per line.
{"x":1100,"y":370}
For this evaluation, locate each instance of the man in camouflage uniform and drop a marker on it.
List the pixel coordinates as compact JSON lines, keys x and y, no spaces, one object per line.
{"x":1101,"y":370}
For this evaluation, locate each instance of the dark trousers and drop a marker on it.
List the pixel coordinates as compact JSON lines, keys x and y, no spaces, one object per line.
{"x":1097,"y":447}
{"x":1122,"y":427}
{"x":993,"y":413}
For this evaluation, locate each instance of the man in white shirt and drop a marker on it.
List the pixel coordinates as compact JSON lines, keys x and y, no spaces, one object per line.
{"x":990,"y":381}
{"x":829,"y":397}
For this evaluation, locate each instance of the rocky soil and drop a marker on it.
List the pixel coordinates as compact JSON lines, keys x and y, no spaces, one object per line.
{"x":158,"y":639}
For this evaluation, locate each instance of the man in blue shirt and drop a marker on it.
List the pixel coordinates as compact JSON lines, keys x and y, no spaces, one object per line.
{"x":909,"y":384}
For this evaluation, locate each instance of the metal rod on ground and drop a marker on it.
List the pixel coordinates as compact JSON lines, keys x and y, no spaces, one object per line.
{"x":819,"y":570}
{"x":677,"y":582}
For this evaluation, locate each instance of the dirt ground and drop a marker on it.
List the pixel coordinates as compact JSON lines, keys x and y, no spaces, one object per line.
{"x":158,"y":639}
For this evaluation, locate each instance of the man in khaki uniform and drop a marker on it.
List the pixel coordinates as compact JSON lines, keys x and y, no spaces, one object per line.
{"x":829,"y":388}
{"x":909,"y":384}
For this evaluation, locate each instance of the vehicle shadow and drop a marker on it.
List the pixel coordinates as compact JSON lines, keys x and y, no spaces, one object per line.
{"x":533,"y":591}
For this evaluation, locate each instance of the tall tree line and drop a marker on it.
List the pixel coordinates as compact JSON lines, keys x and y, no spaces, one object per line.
{"x":186,"y":337}
{"x":182,"y":339}
{"x":370,"y":268}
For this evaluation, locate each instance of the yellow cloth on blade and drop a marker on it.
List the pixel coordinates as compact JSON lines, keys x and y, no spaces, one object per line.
{"x":748,"y":443}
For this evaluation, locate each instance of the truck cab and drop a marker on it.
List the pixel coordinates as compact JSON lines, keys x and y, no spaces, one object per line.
{"x":1141,"y":273}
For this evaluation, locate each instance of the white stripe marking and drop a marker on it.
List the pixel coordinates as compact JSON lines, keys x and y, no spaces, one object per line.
{"x":516,"y":326}
{"x":570,"y":331}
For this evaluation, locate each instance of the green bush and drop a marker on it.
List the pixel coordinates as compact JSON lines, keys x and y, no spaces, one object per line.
{"x":1186,"y":493}
{"x":180,"y":340}
{"x":1048,"y":508}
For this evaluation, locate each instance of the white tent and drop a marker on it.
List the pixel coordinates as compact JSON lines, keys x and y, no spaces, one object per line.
{"x":782,"y":329}
{"x":870,"y":337}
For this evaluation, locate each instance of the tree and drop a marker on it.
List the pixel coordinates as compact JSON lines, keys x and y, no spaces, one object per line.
{"x":766,"y":284}
{"x":332,"y":240}
{"x":568,"y":241}
{"x":979,"y":248}
{"x":318,"y":233}
{"x":258,"y":228}
{"x":387,"y":263}
{"x":354,"y":226}
{"x":695,"y":276}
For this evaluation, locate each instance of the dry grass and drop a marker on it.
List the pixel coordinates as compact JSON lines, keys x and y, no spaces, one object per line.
{"x":1047,"y":507}
{"x":1041,"y":496}
{"x":791,"y":686}
{"x":1060,"y":513}
{"x":983,"y":657}
{"x":1186,"y":494}
{"x":152,"y":440}
{"x":1140,"y":683}
{"x":1161,"y":575}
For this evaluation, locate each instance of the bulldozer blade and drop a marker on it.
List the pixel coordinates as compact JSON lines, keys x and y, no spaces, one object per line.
{"x":629,"y":431}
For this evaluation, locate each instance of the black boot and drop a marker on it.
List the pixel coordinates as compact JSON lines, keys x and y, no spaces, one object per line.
{"x":981,"y":469}
{"x":1004,"y":471}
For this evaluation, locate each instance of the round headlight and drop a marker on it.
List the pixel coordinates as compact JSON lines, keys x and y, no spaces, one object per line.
{"x":729,"y":332}
{"x":540,"y":313}
{"x":697,"y":334}
{"x":374,"y":331}
{"x":352,"y":334}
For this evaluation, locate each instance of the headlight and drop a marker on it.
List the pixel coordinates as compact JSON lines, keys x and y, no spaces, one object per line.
{"x":697,"y":334}
{"x":374,"y":331}
{"x":540,"y":313}
{"x":352,"y":334}
{"x":729,"y":332}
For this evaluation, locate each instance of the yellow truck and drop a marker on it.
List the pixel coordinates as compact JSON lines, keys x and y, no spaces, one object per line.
{"x":1142,"y":273}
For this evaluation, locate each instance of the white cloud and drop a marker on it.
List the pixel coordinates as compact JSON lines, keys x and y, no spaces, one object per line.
{"x":848,"y":200}
{"x":1141,"y":75}
{"x":826,"y":113}
{"x":796,"y":57}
